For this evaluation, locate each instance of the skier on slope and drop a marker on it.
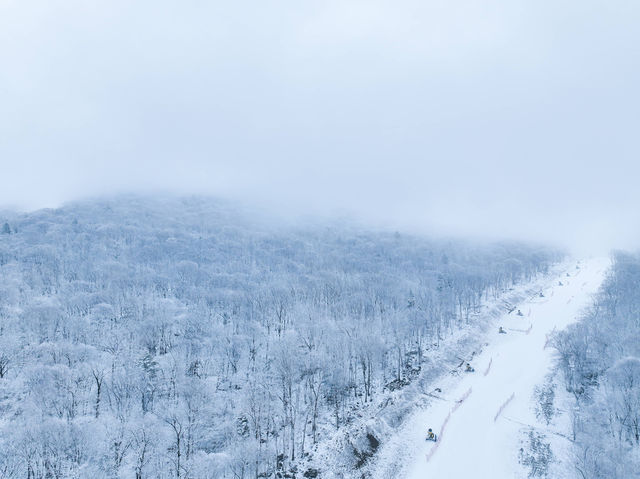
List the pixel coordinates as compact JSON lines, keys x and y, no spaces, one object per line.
{"x":519,"y":313}
{"x":431,"y":436}
{"x":501,"y":331}
{"x":469,"y":369}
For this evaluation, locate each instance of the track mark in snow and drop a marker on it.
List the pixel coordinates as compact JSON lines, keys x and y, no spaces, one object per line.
{"x":435,"y":446}
{"x":525,"y":331}
{"x":504,"y":405}
{"x":461,"y":400}
{"x":542,"y":429}
{"x":488,"y":367}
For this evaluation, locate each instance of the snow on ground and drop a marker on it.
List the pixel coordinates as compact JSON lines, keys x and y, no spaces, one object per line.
{"x":335,"y":452}
{"x":481,"y":434}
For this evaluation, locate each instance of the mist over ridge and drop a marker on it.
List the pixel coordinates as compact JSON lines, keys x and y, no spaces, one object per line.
{"x":506,"y":119}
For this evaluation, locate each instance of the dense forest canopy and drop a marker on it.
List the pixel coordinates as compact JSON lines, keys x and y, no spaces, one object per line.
{"x":185,"y":338}
{"x":600,"y":361}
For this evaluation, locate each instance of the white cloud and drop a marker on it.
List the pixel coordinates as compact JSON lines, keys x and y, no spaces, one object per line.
{"x":499,"y":117}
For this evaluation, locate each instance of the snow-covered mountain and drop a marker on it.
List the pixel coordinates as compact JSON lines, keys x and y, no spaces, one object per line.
{"x":185,"y":338}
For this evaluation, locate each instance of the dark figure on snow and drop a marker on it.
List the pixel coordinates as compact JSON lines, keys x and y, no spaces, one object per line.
{"x":519,"y":313}
{"x":431,"y":436}
{"x":501,"y":330}
{"x":469,"y":369}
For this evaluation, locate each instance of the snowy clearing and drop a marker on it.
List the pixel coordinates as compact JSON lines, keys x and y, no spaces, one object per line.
{"x":479,"y":436}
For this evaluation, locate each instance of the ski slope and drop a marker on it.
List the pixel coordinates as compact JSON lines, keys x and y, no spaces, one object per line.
{"x":479,"y":436}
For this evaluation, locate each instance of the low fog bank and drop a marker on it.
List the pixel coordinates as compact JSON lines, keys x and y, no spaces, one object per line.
{"x":500,"y":119}
{"x":579,"y":232}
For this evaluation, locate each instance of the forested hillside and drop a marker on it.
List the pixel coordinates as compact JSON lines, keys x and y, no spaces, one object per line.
{"x":182,"y":338}
{"x":600,"y":362}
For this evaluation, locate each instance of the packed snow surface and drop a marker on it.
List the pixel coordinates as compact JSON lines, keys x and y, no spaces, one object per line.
{"x":479,"y":416}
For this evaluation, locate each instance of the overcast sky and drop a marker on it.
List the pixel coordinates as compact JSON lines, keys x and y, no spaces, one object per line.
{"x":494,"y":118}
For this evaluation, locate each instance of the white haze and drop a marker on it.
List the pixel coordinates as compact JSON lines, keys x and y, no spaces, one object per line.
{"x":493,"y":119}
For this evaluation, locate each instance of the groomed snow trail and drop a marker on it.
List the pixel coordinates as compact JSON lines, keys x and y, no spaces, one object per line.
{"x":481,"y":434}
